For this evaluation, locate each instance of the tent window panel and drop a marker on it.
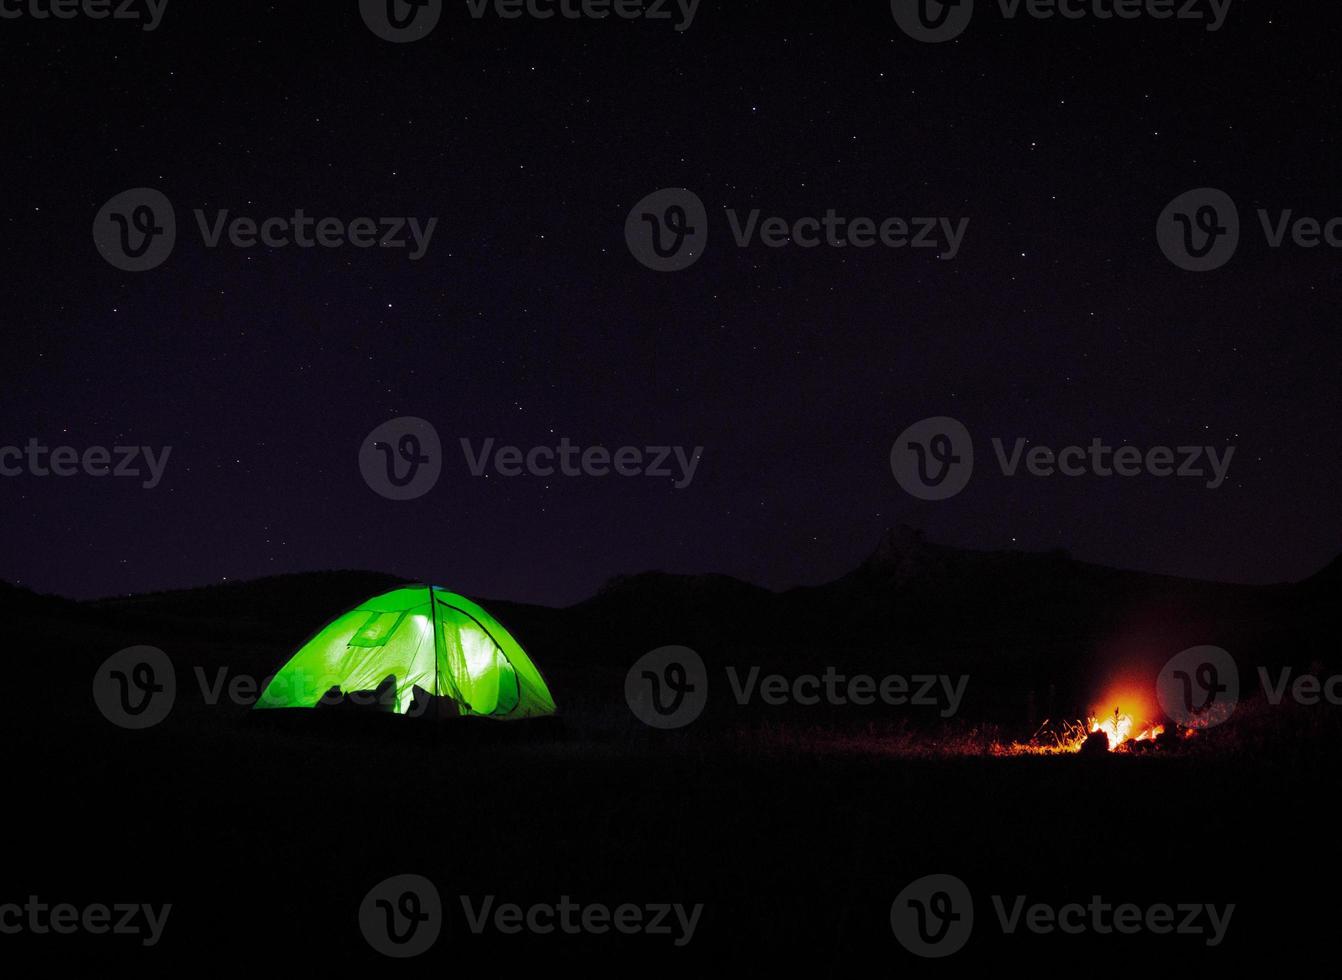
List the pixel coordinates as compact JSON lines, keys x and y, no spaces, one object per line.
{"x":509,"y":689}
{"x":472,"y":660}
{"x":377,"y":629}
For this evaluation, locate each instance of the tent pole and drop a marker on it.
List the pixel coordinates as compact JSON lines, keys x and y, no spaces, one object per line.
{"x":437,"y":659}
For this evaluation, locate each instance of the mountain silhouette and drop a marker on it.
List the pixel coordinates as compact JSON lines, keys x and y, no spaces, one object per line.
{"x":1019,"y":623}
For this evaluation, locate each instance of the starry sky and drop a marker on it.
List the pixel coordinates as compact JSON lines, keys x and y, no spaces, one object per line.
{"x":528,"y":320}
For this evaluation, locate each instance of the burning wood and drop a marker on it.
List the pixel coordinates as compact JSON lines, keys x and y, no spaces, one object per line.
{"x":1121,"y":734}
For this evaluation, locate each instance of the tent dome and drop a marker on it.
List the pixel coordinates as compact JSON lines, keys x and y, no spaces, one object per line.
{"x":415,"y":637}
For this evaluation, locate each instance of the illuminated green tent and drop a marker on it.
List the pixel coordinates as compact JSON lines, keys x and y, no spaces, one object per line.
{"x":416,"y":637}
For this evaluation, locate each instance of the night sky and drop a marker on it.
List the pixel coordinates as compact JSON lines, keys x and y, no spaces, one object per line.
{"x":529,"y":320}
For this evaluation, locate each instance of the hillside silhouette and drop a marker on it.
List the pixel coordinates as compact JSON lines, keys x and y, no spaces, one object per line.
{"x":1035,"y":630}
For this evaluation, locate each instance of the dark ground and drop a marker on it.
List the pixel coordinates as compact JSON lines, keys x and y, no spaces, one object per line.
{"x":795,"y":830}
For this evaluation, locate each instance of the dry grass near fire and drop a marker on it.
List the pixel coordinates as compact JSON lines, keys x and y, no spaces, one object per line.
{"x":1256,"y":727}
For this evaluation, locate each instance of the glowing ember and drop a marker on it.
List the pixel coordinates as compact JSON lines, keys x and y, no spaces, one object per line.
{"x":1119,"y":730}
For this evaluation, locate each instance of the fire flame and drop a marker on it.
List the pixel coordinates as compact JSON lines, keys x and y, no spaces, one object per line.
{"x":1123,"y":729}
{"x":1119,"y":729}
{"x":1132,"y":695}
{"x":1126,"y":728}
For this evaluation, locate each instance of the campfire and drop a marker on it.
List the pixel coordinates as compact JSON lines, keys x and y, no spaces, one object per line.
{"x":1120,"y":731}
{"x":1128,"y":728}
